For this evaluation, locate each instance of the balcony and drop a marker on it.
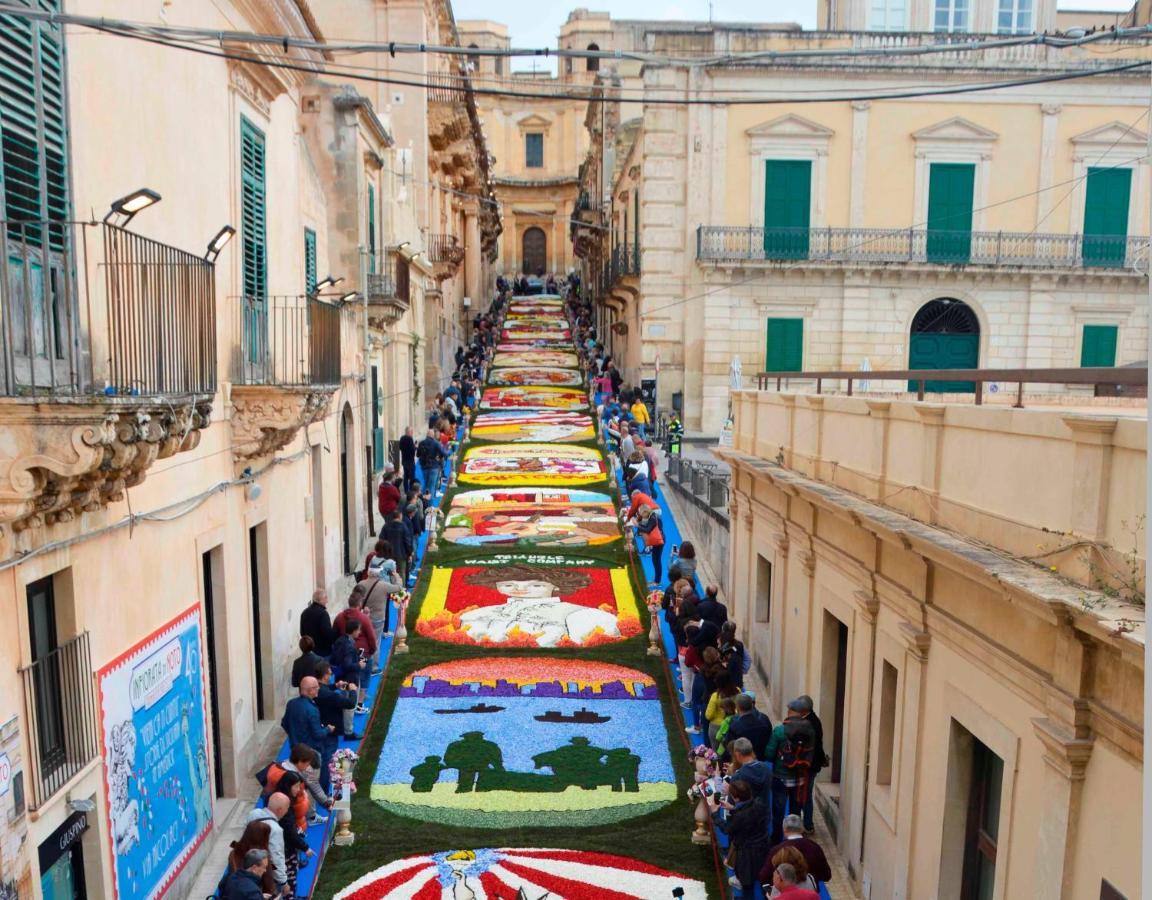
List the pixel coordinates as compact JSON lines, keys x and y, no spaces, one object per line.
{"x":107,"y":363}
{"x":287,"y":367}
{"x":446,"y":254}
{"x":734,"y":245}
{"x":60,"y":711}
{"x":448,"y":110}
{"x":387,"y":288}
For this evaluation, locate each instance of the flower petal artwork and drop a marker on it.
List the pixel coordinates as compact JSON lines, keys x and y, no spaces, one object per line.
{"x":514,"y":874}
{"x":528,"y":375}
{"x":532,"y":517}
{"x":533,"y":397}
{"x":500,"y":742}
{"x":529,"y":600}
{"x":533,"y":425}
{"x":531,"y":464}
{"x":560,"y":350}
{"x":534,"y":332}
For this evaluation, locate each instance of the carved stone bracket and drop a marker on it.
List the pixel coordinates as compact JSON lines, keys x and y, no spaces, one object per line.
{"x":75,"y":455}
{"x":265,"y":418}
{"x":1063,"y":751}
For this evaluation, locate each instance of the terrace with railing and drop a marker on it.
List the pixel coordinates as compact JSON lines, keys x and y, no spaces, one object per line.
{"x":107,"y":363}
{"x":726,"y":245}
{"x":387,"y":287}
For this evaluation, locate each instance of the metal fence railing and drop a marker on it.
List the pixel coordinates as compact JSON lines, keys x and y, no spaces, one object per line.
{"x":701,"y":479}
{"x":124,"y":314}
{"x":444,"y":248}
{"x":60,"y":709}
{"x":288,"y":340}
{"x":724,"y":243}
{"x":388,"y":277}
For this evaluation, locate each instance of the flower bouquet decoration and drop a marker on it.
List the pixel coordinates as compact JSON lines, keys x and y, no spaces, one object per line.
{"x":340,"y":769}
{"x":655,"y":603}
{"x":401,"y":599}
{"x":704,"y":761}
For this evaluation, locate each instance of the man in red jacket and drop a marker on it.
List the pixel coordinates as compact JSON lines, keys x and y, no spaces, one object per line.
{"x":388,"y":494}
{"x":785,"y":882}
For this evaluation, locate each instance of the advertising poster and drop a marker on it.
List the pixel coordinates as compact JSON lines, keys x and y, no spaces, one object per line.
{"x":153,"y":727}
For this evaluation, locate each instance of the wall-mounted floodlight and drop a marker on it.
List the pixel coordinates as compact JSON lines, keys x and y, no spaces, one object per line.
{"x":130,"y":204}
{"x":223,"y":236}
{"x":348,"y":298}
{"x":326,"y":283}
{"x":403,"y":244}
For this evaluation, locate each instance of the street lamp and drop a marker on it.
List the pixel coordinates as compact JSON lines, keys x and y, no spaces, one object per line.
{"x":326,"y":282}
{"x":223,"y":236}
{"x":348,"y":298}
{"x":130,"y":204}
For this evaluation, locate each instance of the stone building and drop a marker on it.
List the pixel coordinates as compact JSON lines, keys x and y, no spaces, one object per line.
{"x":190,"y":425}
{"x":999,"y":229}
{"x":960,"y":590}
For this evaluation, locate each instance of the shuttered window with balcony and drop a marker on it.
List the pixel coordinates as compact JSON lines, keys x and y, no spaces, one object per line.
{"x":785,"y":350}
{"x":950,"y":188}
{"x":787,"y":208}
{"x":253,"y":213}
{"x":310,"y":260}
{"x":34,"y":182}
{"x":1098,"y":345}
{"x":1106,"y":203}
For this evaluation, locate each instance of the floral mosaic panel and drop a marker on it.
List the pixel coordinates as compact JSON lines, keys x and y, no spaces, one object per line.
{"x":529,"y":600}
{"x":541,"y":426}
{"x":531,"y":464}
{"x":500,"y":742}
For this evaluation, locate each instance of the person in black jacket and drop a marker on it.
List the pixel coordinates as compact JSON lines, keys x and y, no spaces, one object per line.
{"x":305,"y":664}
{"x":333,"y":700}
{"x":431,"y":454}
{"x":408,"y":458}
{"x":711,"y":608}
{"x":744,"y":826}
{"x":752,"y":724}
{"x":802,"y":707}
{"x":291,"y":785}
{"x":245,"y":883}
{"x":317,"y":624}
{"x":397,"y":533}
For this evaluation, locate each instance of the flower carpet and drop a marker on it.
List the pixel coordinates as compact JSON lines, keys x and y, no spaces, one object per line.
{"x":528,"y":712}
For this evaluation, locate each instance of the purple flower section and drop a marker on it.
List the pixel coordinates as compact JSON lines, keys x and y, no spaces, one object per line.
{"x":422,"y":686}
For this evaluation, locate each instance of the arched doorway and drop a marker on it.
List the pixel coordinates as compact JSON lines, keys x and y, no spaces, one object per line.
{"x":534,"y":252}
{"x":346,"y":464}
{"x":593,"y":62}
{"x":945,"y":334}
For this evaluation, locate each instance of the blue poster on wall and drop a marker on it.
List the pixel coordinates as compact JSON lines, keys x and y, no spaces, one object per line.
{"x":155,"y":746}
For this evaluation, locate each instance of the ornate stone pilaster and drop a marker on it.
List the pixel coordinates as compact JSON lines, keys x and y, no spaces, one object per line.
{"x":1066,"y":757}
{"x":68,"y":456}
{"x":265,"y":418}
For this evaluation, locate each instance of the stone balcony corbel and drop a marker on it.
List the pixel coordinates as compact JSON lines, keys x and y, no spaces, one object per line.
{"x":78,"y":454}
{"x":265,"y":418}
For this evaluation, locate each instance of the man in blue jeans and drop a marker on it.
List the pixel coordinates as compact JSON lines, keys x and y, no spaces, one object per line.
{"x":431,"y":456}
{"x":802,"y":706}
{"x":791,"y":751}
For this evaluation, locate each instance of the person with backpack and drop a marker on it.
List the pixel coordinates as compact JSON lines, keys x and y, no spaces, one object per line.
{"x":803,"y":706}
{"x":792,"y":753}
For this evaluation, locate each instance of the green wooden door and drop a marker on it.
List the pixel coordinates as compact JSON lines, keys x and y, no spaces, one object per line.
{"x":253,"y":236}
{"x":1106,"y":216}
{"x":944,"y":351}
{"x":950,"y":212}
{"x":787,"y":207}
{"x":1098,"y":347}
{"x":785,"y":346}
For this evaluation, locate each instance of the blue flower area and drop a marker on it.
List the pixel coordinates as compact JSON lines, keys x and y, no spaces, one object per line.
{"x":456,"y":865}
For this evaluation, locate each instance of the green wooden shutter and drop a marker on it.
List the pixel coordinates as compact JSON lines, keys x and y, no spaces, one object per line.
{"x":950,"y":212}
{"x":253,"y":213}
{"x":1106,"y":216}
{"x":1098,"y":347}
{"x":33,"y":127}
{"x":371,"y":227}
{"x":310,"y":260}
{"x":785,"y":350}
{"x":787,"y":208}
{"x":534,"y":151}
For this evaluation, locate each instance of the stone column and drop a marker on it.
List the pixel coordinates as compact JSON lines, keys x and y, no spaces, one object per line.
{"x":1047,"y":199}
{"x":780,"y":620}
{"x":1091,"y":474}
{"x":859,"y":162}
{"x":1066,"y":760}
{"x":472,"y":285}
{"x":916,"y":644}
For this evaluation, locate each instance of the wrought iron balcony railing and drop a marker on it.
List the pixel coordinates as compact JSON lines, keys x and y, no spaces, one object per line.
{"x":728,"y":244}
{"x":288,"y":340}
{"x":388,"y":278}
{"x":444,"y":248}
{"x":60,"y":705}
{"x":82,"y":312}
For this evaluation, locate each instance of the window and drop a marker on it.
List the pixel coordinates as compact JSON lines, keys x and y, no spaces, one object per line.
{"x":785,"y":345}
{"x":473,"y":59}
{"x":498,"y":64}
{"x":950,"y":188}
{"x":888,"y":15}
{"x":1098,"y":345}
{"x":1106,"y":216}
{"x":593,"y":62}
{"x":534,"y":150}
{"x":309,"y":261}
{"x":951,"y":15}
{"x":252,"y":211}
{"x":983,"y":824}
{"x":787,"y":208}
{"x":763,"y":589}
{"x":1014,"y":17}
{"x":887,"y":734}
{"x":371,"y":227}
{"x":47,"y":687}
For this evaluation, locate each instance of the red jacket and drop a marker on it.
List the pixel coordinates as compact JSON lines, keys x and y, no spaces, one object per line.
{"x":388,"y":497}
{"x":797,"y":893}
{"x":367,"y":638}
{"x":641,"y":499}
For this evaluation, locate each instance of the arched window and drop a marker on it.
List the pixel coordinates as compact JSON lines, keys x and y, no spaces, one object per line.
{"x":945,"y":334}
{"x":534,"y":252}
{"x":473,"y":58}
{"x":593,"y":61}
